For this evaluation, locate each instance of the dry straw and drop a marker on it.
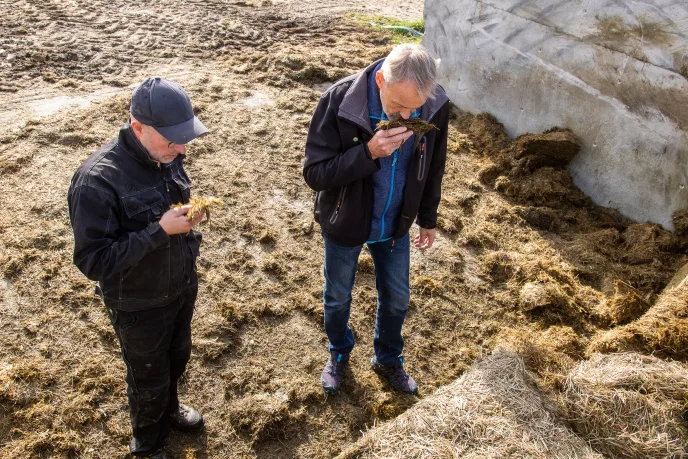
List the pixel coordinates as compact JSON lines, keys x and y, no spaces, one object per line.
{"x":629,"y":405}
{"x":493,"y":410}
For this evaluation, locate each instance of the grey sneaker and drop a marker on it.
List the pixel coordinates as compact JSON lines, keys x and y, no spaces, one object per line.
{"x":333,"y":373}
{"x":395,"y":375}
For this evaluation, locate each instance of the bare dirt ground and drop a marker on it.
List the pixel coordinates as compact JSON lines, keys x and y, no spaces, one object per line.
{"x":522,"y":255}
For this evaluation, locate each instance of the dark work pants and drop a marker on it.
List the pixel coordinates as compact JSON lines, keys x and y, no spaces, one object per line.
{"x":156,"y":346}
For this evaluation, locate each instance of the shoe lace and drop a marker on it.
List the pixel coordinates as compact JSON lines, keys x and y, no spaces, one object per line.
{"x":398,"y":373}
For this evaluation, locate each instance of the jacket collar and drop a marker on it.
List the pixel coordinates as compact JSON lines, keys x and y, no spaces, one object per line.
{"x":354,"y":106}
{"x":134,"y":148}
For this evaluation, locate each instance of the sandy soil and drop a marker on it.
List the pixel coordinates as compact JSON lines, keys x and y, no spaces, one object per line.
{"x":255,"y":71}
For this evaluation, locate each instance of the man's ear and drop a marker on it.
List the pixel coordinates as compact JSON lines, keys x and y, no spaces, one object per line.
{"x":136,"y":126}
{"x":379,"y":78}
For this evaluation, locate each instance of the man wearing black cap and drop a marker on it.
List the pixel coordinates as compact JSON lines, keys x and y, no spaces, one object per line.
{"x":143,"y":254}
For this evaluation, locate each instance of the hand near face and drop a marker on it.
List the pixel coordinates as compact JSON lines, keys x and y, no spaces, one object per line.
{"x":384,"y":143}
{"x":425,"y":239}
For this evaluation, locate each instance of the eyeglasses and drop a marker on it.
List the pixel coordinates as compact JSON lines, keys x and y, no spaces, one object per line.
{"x":172,"y":144}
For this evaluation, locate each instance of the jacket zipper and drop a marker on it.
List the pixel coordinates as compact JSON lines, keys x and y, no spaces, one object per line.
{"x":181,"y":249}
{"x":334,"y":216}
{"x":421,"y":159}
{"x":164,"y":179}
{"x":391,"y":194}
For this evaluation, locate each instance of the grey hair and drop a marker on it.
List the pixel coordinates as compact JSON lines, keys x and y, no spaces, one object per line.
{"x":414,"y":63}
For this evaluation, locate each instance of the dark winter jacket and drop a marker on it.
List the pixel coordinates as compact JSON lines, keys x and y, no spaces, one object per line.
{"x":115,"y":201}
{"x":339,"y":167}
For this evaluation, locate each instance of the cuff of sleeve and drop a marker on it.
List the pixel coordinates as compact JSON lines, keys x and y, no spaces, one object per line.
{"x":426,"y":224}
{"x":367,"y":152}
{"x":157,"y":234}
{"x":369,"y":157}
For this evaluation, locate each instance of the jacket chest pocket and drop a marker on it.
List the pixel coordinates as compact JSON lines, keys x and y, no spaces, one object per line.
{"x":143,"y":208}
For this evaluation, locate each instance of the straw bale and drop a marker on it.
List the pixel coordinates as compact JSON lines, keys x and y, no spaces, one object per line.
{"x":629,"y":405}
{"x":493,"y":410}
{"x":662,"y":330}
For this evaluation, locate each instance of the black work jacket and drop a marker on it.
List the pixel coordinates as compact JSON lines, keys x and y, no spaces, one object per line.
{"x":339,"y":167}
{"x":116,"y":199}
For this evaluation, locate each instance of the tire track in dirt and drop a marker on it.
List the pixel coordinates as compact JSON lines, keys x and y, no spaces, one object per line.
{"x":47,"y":100}
{"x":84,"y":49}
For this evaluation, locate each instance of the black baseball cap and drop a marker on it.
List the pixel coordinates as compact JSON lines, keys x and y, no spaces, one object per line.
{"x":166,"y":107}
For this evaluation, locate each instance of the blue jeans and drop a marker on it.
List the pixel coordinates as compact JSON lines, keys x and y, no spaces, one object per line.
{"x":391,"y":259}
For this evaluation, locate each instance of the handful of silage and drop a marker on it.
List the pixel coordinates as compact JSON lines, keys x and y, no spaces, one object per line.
{"x":200,"y":205}
{"x":417,"y":125}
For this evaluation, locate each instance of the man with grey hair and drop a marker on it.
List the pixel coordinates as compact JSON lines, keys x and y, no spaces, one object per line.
{"x":371,"y":185}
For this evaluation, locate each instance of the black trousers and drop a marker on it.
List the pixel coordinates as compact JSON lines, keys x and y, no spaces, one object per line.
{"x":156,"y":346}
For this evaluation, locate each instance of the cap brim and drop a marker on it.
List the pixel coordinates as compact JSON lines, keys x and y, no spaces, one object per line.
{"x":183,"y":132}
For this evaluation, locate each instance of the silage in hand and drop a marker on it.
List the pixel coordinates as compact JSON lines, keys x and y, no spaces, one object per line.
{"x":200,"y":205}
{"x":417,"y":125}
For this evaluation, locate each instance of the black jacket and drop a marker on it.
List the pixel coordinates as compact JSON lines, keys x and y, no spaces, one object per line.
{"x":116,"y":198}
{"x":339,"y":167}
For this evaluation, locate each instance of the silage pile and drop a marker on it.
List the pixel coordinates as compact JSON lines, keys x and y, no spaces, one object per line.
{"x":589,"y":268}
{"x":663,"y":329}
